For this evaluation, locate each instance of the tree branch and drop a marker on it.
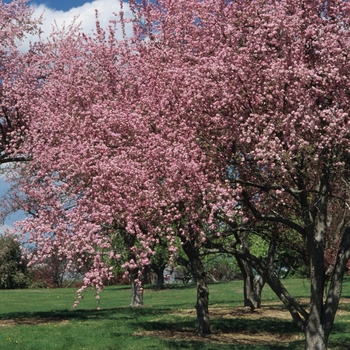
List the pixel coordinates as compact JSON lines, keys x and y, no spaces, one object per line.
{"x":271,"y":218}
{"x":266,"y":188}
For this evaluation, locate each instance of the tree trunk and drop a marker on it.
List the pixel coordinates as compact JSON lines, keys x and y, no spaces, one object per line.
{"x":252,"y":298}
{"x":318,"y":322}
{"x":202,"y":306}
{"x":159,"y":270}
{"x":136,"y":289}
{"x":160,"y":279}
{"x":199,"y":275}
{"x":315,"y":338}
{"x":252,"y":285}
{"x":135,"y":279}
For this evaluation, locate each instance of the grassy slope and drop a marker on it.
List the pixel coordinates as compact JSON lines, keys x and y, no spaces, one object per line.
{"x":44,"y":319}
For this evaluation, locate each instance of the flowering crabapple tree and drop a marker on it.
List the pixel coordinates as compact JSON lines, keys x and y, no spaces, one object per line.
{"x":101,"y":163}
{"x":266,"y":87}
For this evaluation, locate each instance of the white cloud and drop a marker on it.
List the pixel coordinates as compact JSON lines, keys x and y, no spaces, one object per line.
{"x":84,"y":14}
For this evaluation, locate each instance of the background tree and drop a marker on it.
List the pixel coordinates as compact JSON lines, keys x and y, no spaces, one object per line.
{"x":13,"y":270}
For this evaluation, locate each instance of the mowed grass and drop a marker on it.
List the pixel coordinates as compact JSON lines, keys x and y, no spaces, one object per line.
{"x":44,"y":319}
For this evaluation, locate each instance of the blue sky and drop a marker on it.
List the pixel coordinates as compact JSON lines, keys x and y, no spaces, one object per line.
{"x":63,"y":5}
{"x":4,"y":187}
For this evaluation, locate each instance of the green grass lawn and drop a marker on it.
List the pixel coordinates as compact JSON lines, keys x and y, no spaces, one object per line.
{"x":44,"y":319}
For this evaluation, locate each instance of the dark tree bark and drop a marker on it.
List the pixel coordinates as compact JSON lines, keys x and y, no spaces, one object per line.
{"x":252,"y":286}
{"x":199,"y":275}
{"x":159,"y":271}
{"x":160,"y":279}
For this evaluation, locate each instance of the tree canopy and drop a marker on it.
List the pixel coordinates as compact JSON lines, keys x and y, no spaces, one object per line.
{"x":213,"y":110}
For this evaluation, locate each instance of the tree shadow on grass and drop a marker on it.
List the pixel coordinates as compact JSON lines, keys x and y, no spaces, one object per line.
{"x":225,"y":325}
{"x":197,"y":345}
{"x":123,"y":313}
{"x":270,"y":325}
{"x":340,"y":336}
{"x":178,"y":331}
{"x":241,"y":334}
{"x":340,"y":344}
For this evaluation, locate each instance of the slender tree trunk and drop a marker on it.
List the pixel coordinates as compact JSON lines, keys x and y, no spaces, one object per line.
{"x":336,"y":282}
{"x":328,"y":275}
{"x":159,"y":270}
{"x":136,"y":289}
{"x":251,"y":285}
{"x":202,"y":305}
{"x":315,"y":338}
{"x":160,"y":279}
{"x":199,"y":275}
{"x":252,"y":298}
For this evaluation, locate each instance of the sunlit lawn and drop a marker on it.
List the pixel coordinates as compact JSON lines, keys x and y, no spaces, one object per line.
{"x":44,"y":319}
